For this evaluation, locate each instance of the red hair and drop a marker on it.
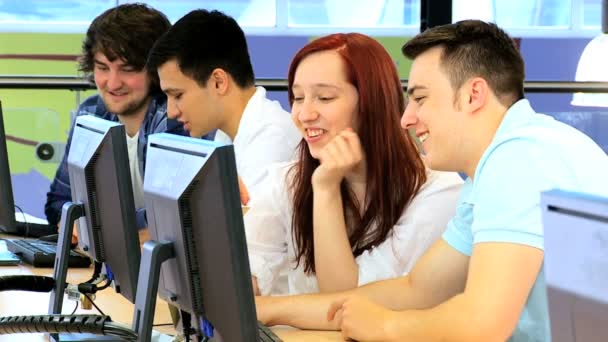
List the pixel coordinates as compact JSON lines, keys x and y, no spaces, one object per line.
{"x":395,"y":171}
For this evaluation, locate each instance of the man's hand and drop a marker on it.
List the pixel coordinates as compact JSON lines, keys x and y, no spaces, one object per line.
{"x":341,"y":155}
{"x":144,"y":235}
{"x":254,"y":283}
{"x":244,"y":192}
{"x":360,"y":319}
{"x":75,"y":233}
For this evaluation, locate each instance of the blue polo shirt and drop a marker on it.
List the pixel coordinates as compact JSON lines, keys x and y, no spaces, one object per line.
{"x":530,"y":153}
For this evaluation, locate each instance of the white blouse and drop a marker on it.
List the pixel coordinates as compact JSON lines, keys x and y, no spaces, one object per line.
{"x":271,"y":244}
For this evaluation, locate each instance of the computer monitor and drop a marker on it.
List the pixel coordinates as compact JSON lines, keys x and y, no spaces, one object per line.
{"x":100,"y":180}
{"x":576,"y":265}
{"x":7,"y":206}
{"x":192,"y":201}
{"x":21,"y":224}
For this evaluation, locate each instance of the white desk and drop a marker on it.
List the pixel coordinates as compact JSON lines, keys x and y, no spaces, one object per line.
{"x":18,"y":303}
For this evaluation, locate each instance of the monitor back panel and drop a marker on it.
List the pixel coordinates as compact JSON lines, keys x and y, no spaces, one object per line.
{"x":195,"y":204}
{"x":576,"y":265}
{"x":99,"y":173}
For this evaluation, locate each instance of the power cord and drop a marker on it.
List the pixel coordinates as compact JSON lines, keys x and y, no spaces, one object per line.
{"x":96,"y":272}
{"x":75,"y":308}
{"x":162,"y":325}
{"x":186,"y":324}
{"x":95,"y":305}
{"x":108,"y":283}
{"x":27,"y":225}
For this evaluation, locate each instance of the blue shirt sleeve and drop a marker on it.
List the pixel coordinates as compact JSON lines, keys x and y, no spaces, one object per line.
{"x":60,"y":191}
{"x":458,"y":233}
{"x":140,"y":219}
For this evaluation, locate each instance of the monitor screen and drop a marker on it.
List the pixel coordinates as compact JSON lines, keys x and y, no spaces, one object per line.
{"x":576,"y":265}
{"x":192,"y":200}
{"x":98,"y":166}
{"x":7,"y":206}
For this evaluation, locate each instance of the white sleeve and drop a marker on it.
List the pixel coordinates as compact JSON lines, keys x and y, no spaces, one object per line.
{"x":421,"y":225}
{"x":267,"y":227}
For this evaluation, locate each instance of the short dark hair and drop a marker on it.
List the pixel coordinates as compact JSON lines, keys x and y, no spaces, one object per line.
{"x":202,"y":41}
{"x":125,"y":32}
{"x":475,"y":48}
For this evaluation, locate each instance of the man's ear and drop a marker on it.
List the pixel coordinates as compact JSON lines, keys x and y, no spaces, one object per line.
{"x":477,"y":92}
{"x":219,"y":80}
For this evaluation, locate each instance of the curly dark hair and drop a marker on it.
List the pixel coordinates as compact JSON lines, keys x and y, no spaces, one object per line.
{"x":125,"y":32}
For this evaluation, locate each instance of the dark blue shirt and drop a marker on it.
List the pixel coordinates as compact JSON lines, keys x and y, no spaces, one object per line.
{"x":155,"y":121}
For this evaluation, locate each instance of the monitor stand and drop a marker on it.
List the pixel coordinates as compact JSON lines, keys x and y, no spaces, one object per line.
{"x":153,"y":255}
{"x":70,"y":212}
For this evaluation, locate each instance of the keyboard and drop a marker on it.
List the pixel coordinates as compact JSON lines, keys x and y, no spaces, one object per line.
{"x":31,"y":226}
{"x":42,"y":254}
{"x":266,"y":335}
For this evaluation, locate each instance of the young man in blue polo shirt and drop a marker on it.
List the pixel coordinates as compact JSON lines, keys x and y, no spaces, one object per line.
{"x":484,"y":280}
{"x":114,"y":53}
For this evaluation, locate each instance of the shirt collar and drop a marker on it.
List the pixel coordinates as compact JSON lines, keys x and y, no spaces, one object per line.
{"x":251,"y":110}
{"x":516,"y":116}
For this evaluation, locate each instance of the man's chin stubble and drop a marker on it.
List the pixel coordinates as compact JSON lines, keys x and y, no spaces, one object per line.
{"x":132,"y":108}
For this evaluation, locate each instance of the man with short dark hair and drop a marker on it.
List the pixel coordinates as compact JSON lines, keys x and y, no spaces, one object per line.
{"x":484,"y":280}
{"x":114,"y":55}
{"x":204,"y":68}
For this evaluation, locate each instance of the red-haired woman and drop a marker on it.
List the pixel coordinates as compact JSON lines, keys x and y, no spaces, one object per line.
{"x":358,"y":205}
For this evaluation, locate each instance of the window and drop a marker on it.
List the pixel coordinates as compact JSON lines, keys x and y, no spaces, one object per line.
{"x":530,"y":14}
{"x":354,"y":13}
{"x":50,"y":15}
{"x":249,"y":13}
{"x":592,"y":13}
{"x":522,"y":18}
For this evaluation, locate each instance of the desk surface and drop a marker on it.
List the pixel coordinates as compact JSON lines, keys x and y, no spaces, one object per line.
{"x":16,"y":303}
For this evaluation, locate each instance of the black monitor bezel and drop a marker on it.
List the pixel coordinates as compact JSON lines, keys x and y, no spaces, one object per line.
{"x":8,"y":223}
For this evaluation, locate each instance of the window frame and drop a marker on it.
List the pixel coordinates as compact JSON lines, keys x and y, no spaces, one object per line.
{"x":577,"y":29}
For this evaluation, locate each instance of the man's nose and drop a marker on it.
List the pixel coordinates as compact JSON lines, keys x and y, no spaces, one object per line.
{"x":409,"y":117}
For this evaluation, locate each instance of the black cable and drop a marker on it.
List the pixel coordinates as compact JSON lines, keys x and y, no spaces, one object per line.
{"x":95,"y":305}
{"x":96,"y":272}
{"x":91,"y":288}
{"x":94,"y":324}
{"x":27,"y":225}
{"x":186,"y":324}
{"x":87,"y":288}
{"x":108,"y":283}
{"x":29,"y":283}
{"x":162,"y":325}
{"x":75,"y":308}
